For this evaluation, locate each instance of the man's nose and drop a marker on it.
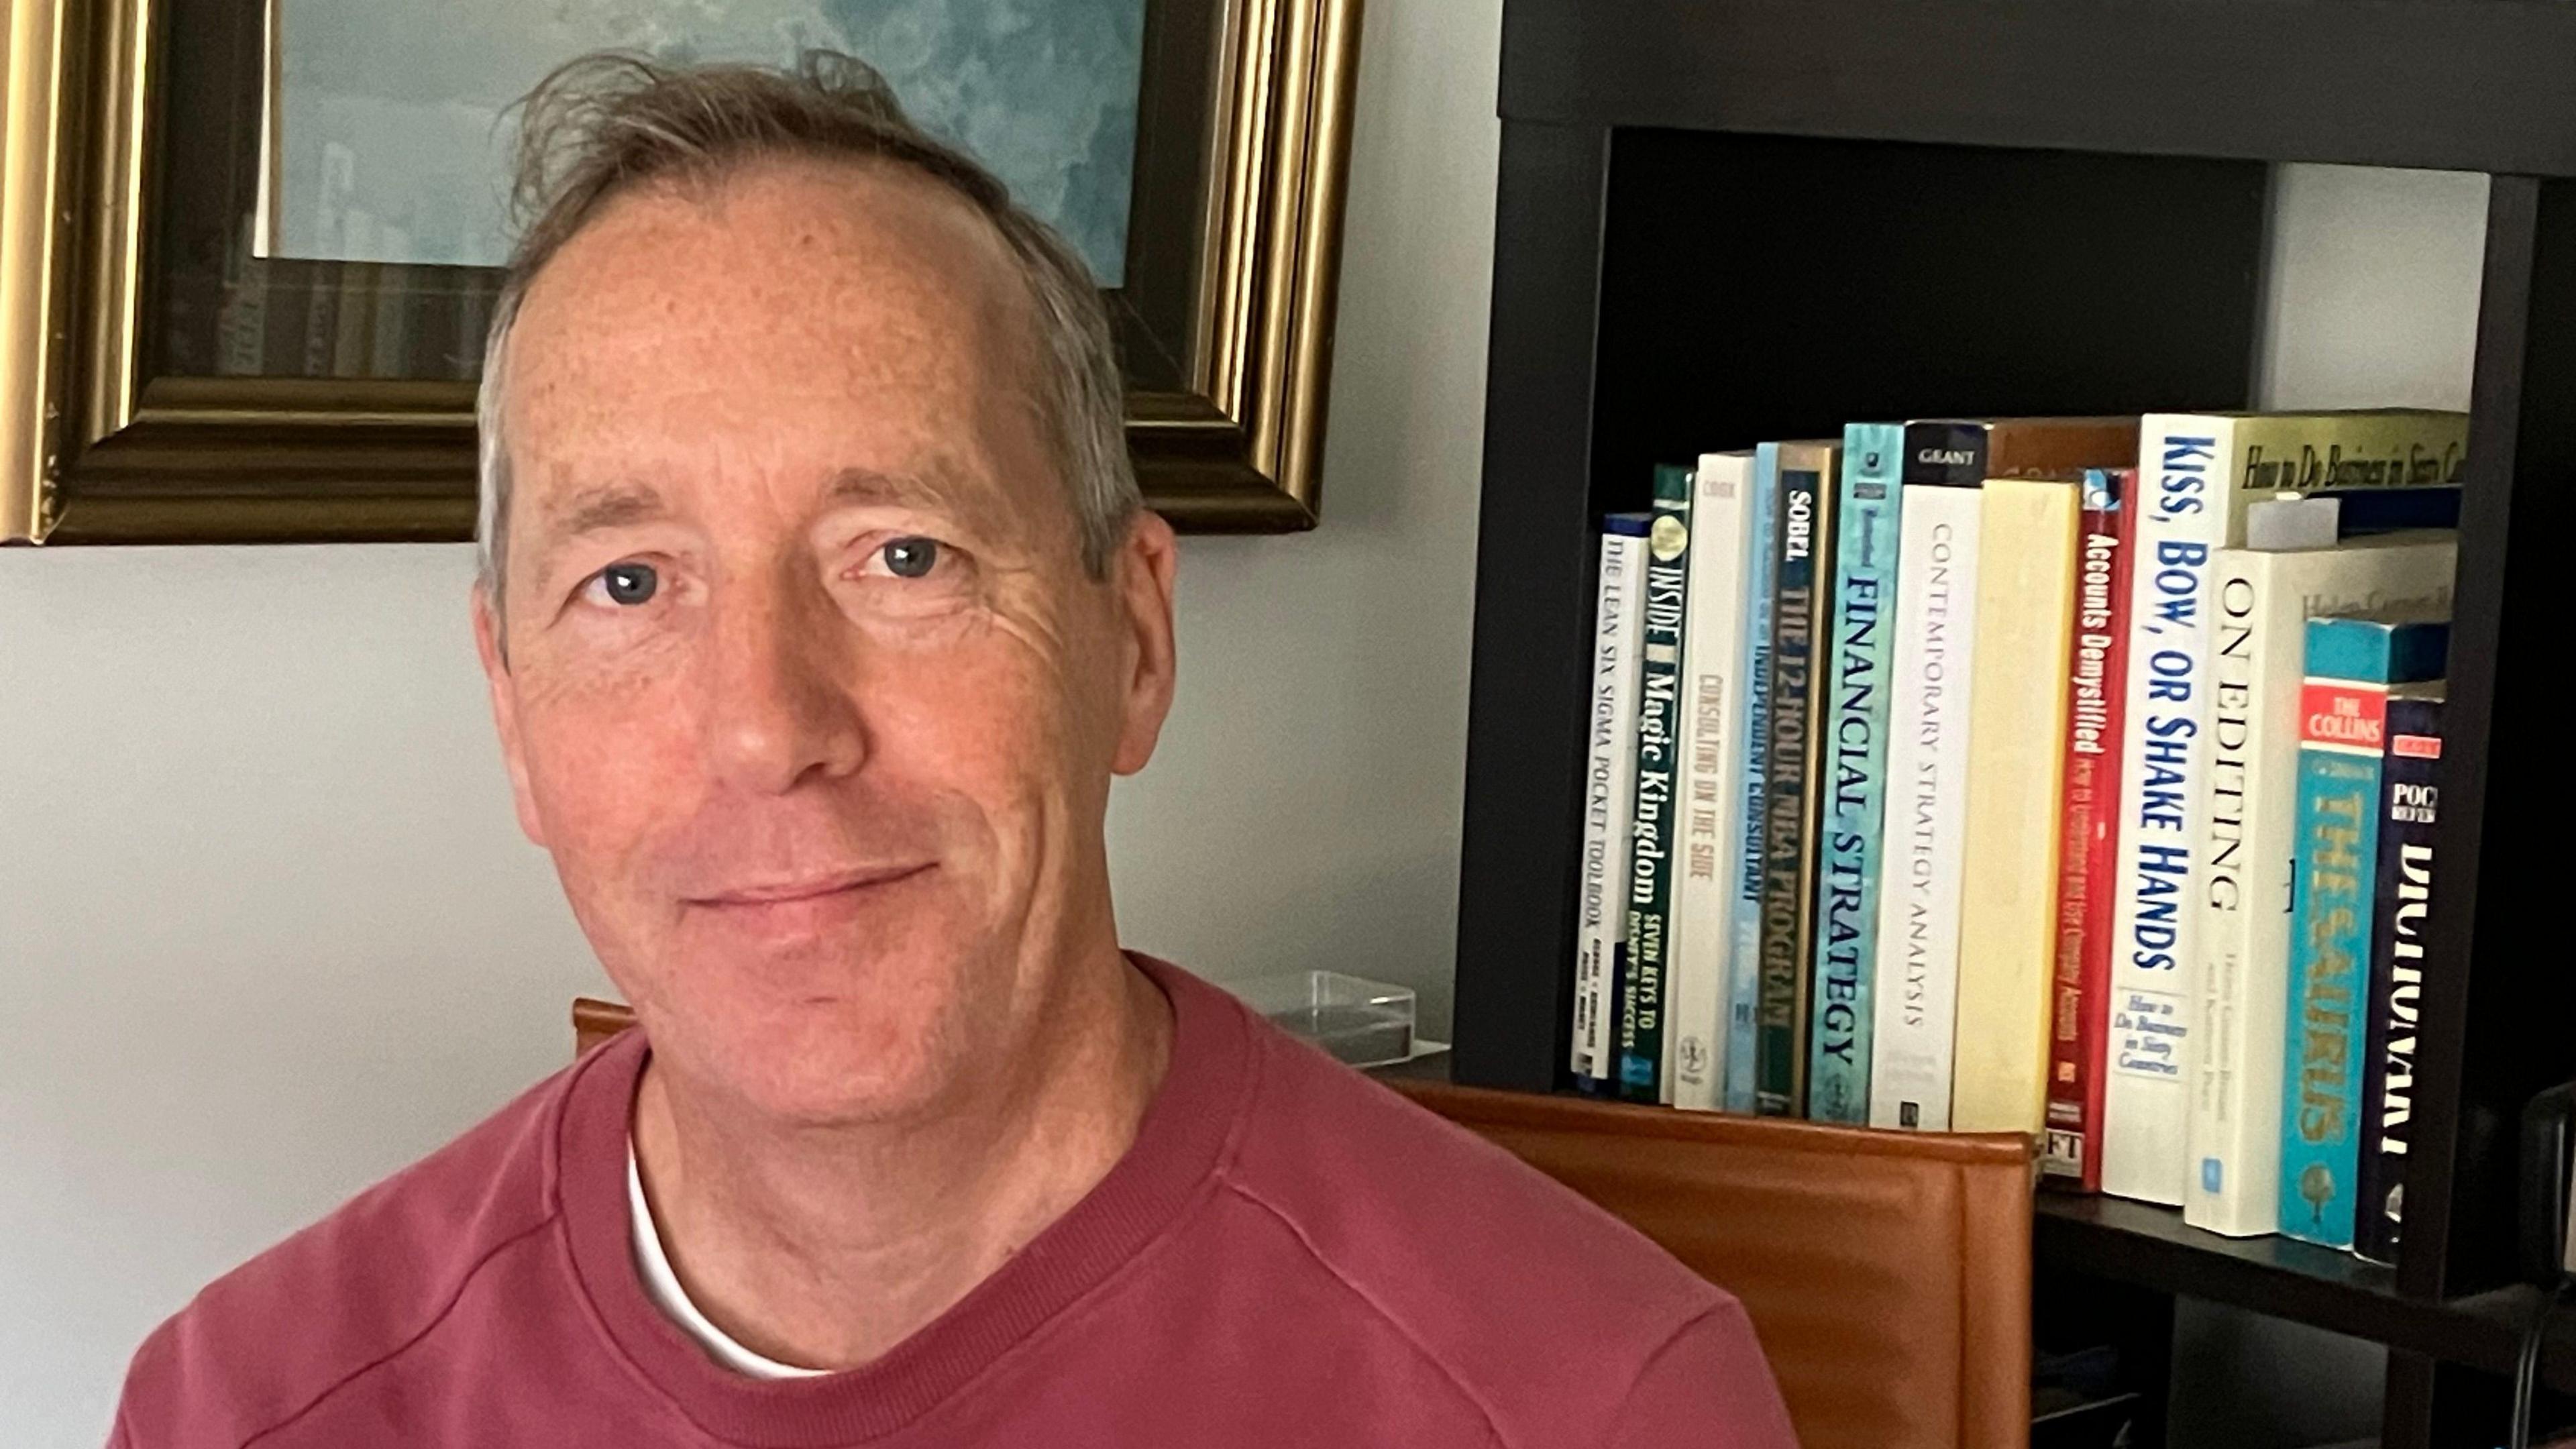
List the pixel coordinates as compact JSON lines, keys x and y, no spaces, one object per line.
{"x":781,"y":688}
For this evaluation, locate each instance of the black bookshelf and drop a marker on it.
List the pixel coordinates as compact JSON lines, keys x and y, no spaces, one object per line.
{"x":1725,"y":220}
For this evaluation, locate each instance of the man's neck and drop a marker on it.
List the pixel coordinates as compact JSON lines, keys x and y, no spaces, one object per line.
{"x":825,"y":1248}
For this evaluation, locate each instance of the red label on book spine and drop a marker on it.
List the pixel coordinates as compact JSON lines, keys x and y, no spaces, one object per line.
{"x":2415,"y":747}
{"x":2338,"y":714}
{"x":2097,"y":672}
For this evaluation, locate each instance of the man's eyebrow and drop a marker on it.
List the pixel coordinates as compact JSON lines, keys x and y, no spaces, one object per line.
{"x":868,"y":485}
{"x":612,"y":505}
{"x":941,"y":489}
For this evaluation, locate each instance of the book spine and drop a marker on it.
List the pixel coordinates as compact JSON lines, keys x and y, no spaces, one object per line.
{"x":321,"y":292}
{"x":1923,"y":844}
{"x":2250,"y":796}
{"x":241,"y":327}
{"x":2017,"y":742}
{"x":356,"y":311}
{"x":1753,"y":732}
{"x":475,"y":297}
{"x":1664,"y":615}
{"x":2341,"y":737}
{"x":2106,"y":538}
{"x":2343,"y":715}
{"x":1712,"y":765}
{"x":1801,"y":567}
{"x":2185,"y":492}
{"x":288,"y":309}
{"x":2410,"y":805}
{"x":1853,"y":782}
{"x":1602,"y":916}
{"x":436,"y":334}
{"x":2260,"y":603}
{"x":389,"y":335}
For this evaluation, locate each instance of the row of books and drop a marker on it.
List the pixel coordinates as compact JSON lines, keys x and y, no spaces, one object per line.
{"x":1948,"y":777}
{"x":354,"y":319}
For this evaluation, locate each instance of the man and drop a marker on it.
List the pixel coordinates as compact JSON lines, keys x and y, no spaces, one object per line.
{"x":819,"y":611}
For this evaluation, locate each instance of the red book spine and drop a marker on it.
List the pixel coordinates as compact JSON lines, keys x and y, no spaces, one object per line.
{"x":2097,"y":670}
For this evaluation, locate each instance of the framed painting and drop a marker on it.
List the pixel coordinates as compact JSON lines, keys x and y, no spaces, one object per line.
{"x":249,"y":248}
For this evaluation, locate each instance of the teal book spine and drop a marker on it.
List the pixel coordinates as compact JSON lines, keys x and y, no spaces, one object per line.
{"x":1853,"y":771}
{"x":2343,"y":712}
{"x":1652,"y":813}
{"x":1753,"y":730}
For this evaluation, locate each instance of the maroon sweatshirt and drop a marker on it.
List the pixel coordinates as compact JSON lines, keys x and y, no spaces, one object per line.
{"x":1289,"y":1254}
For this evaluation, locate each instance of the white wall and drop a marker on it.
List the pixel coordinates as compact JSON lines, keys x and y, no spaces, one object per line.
{"x":267,"y":930}
{"x":2371,"y":290}
{"x":1304,"y":807}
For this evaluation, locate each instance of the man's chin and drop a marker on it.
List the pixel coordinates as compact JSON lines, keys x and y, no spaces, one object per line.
{"x":826,"y":1063}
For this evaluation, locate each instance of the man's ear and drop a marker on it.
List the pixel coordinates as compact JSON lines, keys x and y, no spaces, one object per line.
{"x":505,"y":709}
{"x":1143,"y":573}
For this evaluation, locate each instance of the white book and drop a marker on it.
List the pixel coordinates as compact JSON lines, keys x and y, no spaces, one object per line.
{"x":1710,"y":851}
{"x":1927,"y":802}
{"x":2197,"y":474}
{"x":2261,"y":601}
{"x":1601,"y":929}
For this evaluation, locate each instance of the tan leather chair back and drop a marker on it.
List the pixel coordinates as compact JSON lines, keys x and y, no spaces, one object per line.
{"x":1887,"y":1273}
{"x":595,"y":1021}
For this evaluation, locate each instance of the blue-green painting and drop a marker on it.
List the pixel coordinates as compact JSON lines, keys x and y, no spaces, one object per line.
{"x":392,"y":140}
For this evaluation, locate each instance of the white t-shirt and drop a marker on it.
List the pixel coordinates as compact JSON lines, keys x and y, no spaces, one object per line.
{"x":663,"y":1287}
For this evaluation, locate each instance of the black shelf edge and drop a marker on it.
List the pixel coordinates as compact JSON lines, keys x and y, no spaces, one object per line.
{"x":2151,"y":1247}
{"x":2481,"y":87}
{"x":2139,"y":1243}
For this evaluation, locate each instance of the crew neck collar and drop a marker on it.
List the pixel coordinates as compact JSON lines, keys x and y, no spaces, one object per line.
{"x":662,"y":1285}
{"x":1184,"y":1136}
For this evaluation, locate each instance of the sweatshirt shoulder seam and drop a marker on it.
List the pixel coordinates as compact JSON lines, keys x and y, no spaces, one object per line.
{"x":1296,"y":1230}
{"x":464,"y":1281}
{"x":1647,"y":1362}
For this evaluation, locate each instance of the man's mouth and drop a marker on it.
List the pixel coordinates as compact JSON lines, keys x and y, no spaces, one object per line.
{"x":761,"y":896}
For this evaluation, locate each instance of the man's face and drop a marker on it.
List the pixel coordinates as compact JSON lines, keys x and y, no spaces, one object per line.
{"x":797,"y":669}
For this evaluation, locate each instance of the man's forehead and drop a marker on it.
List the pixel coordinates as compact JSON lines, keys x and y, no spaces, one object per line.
{"x":800,"y":242}
{"x":812,"y":331}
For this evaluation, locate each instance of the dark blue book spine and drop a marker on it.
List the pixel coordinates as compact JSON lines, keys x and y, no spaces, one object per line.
{"x":1801,"y":580}
{"x":2409,"y":806}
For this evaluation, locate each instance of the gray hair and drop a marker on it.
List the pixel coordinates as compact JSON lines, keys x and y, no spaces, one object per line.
{"x":603,"y":124}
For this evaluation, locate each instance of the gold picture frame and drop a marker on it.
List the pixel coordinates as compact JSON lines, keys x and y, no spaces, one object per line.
{"x":1242,"y":153}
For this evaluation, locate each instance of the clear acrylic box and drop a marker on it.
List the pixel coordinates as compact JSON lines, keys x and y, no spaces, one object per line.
{"x":1361,"y":1022}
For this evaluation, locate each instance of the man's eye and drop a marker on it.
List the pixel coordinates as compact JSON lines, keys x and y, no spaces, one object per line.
{"x":910,"y":558}
{"x":625,"y":584}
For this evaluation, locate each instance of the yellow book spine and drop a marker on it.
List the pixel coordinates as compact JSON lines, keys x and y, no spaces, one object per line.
{"x":2016,"y":769}
{"x":2392,"y":448}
